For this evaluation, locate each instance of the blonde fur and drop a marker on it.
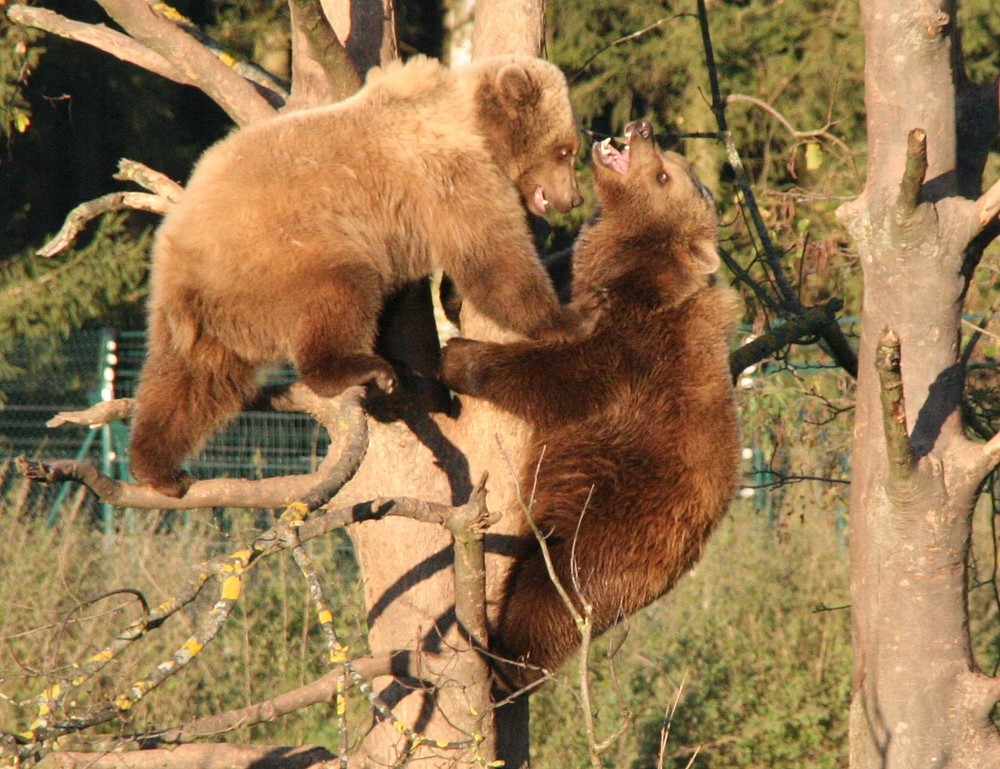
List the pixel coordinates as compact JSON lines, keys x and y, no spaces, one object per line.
{"x":293,"y":231}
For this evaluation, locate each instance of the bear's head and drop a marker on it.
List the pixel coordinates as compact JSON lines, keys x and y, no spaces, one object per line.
{"x":657,"y":221}
{"x":656,"y":194}
{"x":523,"y":111}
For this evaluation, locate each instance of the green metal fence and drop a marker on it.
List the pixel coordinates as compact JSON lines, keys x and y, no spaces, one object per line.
{"x":99,"y":365}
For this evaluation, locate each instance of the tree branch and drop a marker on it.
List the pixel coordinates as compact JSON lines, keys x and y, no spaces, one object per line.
{"x":205,"y":756}
{"x":224,"y":492}
{"x":79,"y":217}
{"x":810,"y":323}
{"x":991,"y":451}
{"x":200,"y":67}
{"x":97,"y":36}
{"x":166,"y":193}
{"x":988,"y":205}
{"x":915,"y":172}
{"x":831,"y":334}
{"x":323,"y":689}
{"x":887,"y":363}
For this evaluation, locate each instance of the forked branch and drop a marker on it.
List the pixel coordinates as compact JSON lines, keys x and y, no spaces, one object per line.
{"x":164,"y":192}
{"x":200,"y":66}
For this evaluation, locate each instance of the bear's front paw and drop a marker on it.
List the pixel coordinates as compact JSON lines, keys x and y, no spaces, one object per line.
{"x":175,"y":485}
{"x":569,"y":326}
{"x":458,"y":364}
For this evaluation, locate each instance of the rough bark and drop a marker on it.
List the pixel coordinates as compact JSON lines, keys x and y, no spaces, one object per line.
{"x":919,"y":699}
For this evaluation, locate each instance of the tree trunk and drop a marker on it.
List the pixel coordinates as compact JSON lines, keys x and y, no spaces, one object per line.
{"x":407,"y":566}
{"x":919,"y":699}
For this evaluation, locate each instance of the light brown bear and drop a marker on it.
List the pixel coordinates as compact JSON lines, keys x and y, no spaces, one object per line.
{"x":635,"y":450}
{"x":292,"y":232}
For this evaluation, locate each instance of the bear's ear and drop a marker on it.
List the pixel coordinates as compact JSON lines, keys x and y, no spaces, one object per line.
{"x":517,"y":88}
{"x":705,"y":256}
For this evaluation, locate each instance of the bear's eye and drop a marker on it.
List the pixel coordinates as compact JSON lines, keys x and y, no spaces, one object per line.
{"x":662,"y":177}
{"x":564,"y":153}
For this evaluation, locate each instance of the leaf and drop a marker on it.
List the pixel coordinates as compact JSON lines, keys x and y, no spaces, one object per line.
{"x":21,"y":121}
{"x":814,"y":156}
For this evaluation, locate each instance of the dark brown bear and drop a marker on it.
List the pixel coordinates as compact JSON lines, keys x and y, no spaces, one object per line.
{"x":292,"y":232}
{"x":635,"y":451}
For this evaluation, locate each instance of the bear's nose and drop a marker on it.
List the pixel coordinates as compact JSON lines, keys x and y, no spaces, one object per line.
{"x":641,"y":127}
{"x":577,"y":200}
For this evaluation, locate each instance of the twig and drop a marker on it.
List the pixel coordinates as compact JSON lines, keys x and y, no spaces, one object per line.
{"x":583,"y":617}
{"x":625,"y":39}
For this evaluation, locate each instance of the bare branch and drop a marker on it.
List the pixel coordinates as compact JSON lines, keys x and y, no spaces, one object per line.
{"x":991,"y":451}
{"x":144,"y":176}
{"x":809,"y":324}
{"x":816,"y":133}
{"x":323,"y":689}
{"x":199,"y":66}
{"x":915,"y":173}
{"x":270,"y":87}
{"x":80,"y":216}
{"x":315,"y":489}
{"x":205,"y":756}
{"x":887,"y":363}
{"x":166,"y":193}
{"x":790,"y":304}
{"x":98,"y":36}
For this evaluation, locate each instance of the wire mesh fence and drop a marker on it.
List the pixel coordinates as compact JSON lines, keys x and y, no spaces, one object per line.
{"x":99,"y":365}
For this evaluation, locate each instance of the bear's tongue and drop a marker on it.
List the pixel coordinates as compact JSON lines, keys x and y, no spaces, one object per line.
{"x":612,"y":158}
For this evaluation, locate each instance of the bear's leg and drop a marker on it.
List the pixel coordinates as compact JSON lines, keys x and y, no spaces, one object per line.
{"x":182,"y":399}
{"x":536,"y":629}
{"x":334,"y":337}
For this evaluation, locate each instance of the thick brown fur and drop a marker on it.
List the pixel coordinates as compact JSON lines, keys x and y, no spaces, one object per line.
{"x":635,"y":452}
{"x":292,"y":232}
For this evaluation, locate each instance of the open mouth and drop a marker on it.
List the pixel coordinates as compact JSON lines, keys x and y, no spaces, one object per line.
{"x":613,"y":158}
{"x":539,"y":199}
{"x":618,"y":160}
